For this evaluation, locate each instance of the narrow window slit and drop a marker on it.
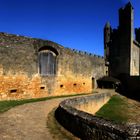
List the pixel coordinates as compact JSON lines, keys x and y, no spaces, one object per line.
{"x":42,"y":87}
{"x":61,"y":86}
{"x":74,"y":84}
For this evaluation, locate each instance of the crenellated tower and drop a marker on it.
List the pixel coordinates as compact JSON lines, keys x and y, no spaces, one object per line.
{"x":126,"y":38}
{"x":107,"y":43}
{"x":120,"y":48}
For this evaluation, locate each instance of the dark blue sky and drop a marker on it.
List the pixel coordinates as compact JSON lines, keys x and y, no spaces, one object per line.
{"x":76,"y":24}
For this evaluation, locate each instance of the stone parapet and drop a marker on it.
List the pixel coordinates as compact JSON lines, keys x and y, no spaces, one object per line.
{"x":89,"y":127}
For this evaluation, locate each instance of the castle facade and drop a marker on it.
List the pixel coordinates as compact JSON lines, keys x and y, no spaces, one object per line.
{"x":122,"y":51}
{"x":34,"y":68}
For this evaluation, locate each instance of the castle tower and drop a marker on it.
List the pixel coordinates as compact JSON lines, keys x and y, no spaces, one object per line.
{"x":122,"y":52}
{"x":126,"y":38}
{"x":107,"y":40}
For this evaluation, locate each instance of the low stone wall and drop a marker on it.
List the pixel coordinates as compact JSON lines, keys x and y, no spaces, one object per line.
{"x":89,"y":127}
{"x":90,"y":104}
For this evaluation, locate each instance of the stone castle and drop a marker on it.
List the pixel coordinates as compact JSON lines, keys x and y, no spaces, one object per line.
{"x":122,"y":51}
{"x":34,"y":68}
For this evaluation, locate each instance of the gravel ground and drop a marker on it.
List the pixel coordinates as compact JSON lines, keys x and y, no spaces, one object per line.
{"x":27,"y":122}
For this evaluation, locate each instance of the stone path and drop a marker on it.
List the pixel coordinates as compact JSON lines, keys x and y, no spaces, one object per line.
{"x":27,"y":122}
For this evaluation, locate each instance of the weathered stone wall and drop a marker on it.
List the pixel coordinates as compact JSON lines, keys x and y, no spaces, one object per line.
{"x":91,"y":104}
{"x":89,"y":127}
{"x":135,"y":54}
{"x":130,"y":86}
{"x":19,"y":69}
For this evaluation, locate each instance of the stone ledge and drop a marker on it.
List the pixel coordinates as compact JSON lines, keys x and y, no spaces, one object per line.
{"x":89,"y":127}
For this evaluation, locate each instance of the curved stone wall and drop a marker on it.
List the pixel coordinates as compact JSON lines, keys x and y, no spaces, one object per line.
{"x":89,"y":127}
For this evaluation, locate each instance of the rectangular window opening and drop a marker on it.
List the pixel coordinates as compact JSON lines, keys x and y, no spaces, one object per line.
{"x":13,"y":90}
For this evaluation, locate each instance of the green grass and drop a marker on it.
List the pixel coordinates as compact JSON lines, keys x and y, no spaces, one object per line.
{"x":57,"y":131}
{"x":116,"y":110}
{"x":6,"y":105}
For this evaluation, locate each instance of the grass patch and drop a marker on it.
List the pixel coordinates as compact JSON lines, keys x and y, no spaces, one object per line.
{"x":117,"y":109}
{"x":6,"y":105}
{"x":57,"y":131}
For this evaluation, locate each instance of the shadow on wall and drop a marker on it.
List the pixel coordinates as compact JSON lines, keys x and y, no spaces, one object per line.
{"x":107,"y":82}
{"x":130,"y":86}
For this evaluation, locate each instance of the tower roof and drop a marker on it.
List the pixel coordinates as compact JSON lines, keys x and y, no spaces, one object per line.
{"x":107,"y":25}
{"x":129,"y":5}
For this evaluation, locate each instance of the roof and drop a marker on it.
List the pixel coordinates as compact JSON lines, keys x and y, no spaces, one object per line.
{"x":109,"y":79}
{"x":107,"y":25}
{"x":129,"y":5}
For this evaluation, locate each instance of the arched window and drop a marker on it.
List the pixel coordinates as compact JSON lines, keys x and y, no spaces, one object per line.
{"x":47,"y":62}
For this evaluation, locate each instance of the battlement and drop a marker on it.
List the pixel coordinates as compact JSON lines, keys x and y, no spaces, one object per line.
{"x":137,"y":29}
{"x":84,"y":53}
{"x":10,"y":39}
{"x":20,"y":39}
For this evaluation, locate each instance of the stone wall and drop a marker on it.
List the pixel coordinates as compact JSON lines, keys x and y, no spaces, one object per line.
{"x":135,"y":54}
{"x":19,"y":69}
{"x":89,"y":127}
{"x":130,"y":86}
{"x":90,"y":104}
